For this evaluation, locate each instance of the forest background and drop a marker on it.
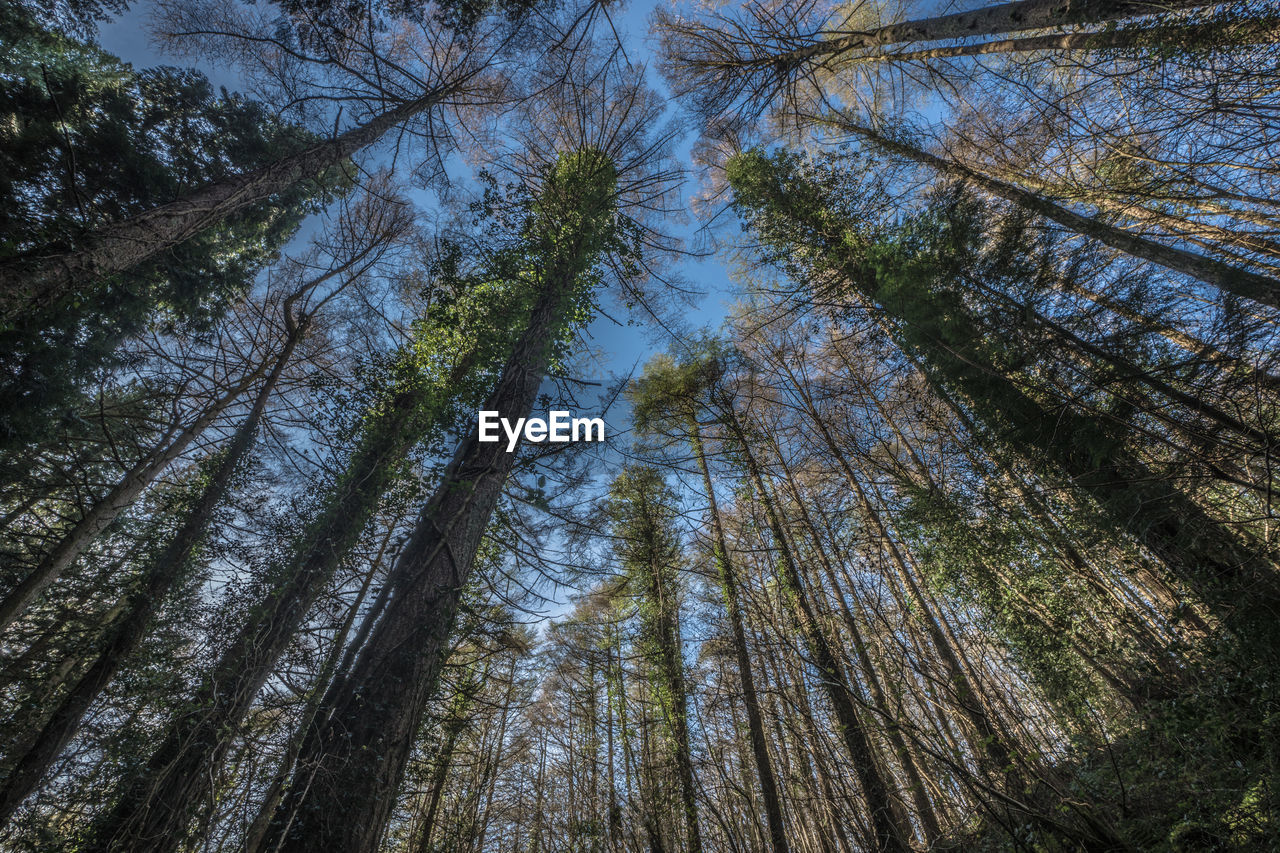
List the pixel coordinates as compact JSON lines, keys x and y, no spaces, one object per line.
{"x":938,"y":348}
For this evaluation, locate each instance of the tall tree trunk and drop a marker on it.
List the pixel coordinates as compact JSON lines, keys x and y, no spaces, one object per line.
{"x":1225,"y":277}
{"x":997,"y":756}
{"x":154,"y":804}
{"x":1197,"y":347}
{"x":759,"y":61}
{"x":729,"y":586}
{"x":613,"y":812}
{"x":357,"y":759}
{"x":1264,"y":30}
{"x":36,"y":283}
{"x":994,"y":20}
{"x":891,"y":836}
{"x":122,"y":496}
{"x":257,"y":830}
{"x":454,"y":725}
{"x":358,"y":752}
{"x":164,"y":571}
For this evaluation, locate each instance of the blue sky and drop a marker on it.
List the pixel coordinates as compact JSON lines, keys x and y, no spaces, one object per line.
{"x":622,"y":346}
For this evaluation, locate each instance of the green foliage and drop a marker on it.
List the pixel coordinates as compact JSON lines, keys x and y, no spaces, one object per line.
{"x":958,"y":548}
{"x":643,"y":512}
{"x":673,"y":390}
{"x":85,"y":140}
{"x":1194,"y":772}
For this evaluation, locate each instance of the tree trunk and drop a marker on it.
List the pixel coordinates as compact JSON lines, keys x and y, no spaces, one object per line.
{"x":1249,"y":32}
{"x":116,"y":501}
{"x":351,"y":767}
{"x":729,"y":586}
{"x":997,"y":756}
{"x":159,"y":577}
{"x":358,"y":754}
{"x":495,"y":760}
{"x":891,"y":836}
{"x":35,"y":283}
{"x":154,"y":804}
{"x":257,"y":830}
{"x":1225,"y":277}
{"x":989,"y":21}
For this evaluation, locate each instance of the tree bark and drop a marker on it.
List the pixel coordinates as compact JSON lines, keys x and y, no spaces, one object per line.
{"x":36,"y":283}
{"x":161,"y":574}
{"x":729,"y":586}
{"x":1225,"y":277}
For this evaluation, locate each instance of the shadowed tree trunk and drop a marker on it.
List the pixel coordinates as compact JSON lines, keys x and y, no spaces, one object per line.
{"x":351,"y":767}
{"x":893,"y":730}
{"x":165,"y":570}
{"x":729,"y":586}
{"x":154,"y":805}
{"x":36,"y":283}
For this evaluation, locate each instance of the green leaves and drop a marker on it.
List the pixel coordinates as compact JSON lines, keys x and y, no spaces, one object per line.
{"x":85,"y":140}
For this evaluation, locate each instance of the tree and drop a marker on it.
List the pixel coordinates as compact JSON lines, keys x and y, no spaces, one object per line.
{"x":1229,"y":278}
{"x":909,"y":277}
{"x":642,"y":511}
{"x":672,"y":396}
{"x":421,"y":394}
{"x":368,"y":231}
{"x":891,"y":830}
{"x":727,"y":62}
{"x":445,"y":71}
{"x":359,"y":753}
{"x":1175,"y":172}
{"x":99,"y":141}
